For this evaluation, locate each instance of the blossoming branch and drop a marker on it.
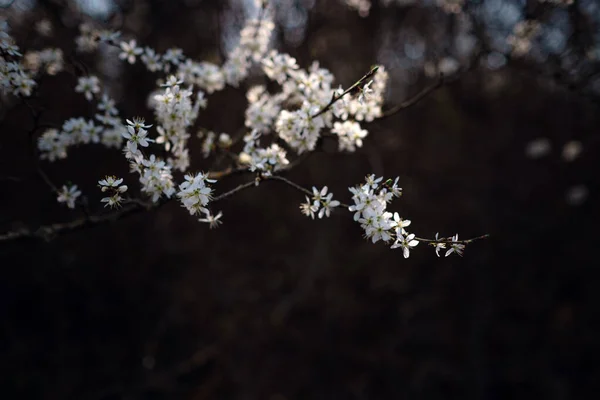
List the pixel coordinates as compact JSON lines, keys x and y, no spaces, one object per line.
{"x":282,"y":127}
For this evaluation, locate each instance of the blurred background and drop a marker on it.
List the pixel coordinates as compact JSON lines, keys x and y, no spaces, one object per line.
{"x":273,"y":305}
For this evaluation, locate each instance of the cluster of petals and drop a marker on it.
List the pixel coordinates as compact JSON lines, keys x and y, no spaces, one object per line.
{"x":13,"y":77}
{"x":370,"y":210}
{"x":54,"y":143}
{"x":271,"y":158}
{"x":155,"y":174}
{"x":262,"y":109}
{"x":195,"y":194}
{"x":321,"y":203}
{"x":175,"y":113}
{"x":156,"y":178}
{"x":112,"y":186}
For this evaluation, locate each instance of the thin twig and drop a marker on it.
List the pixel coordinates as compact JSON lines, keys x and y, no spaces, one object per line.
{"x":449,"y":240}
{"x":413,"y":100}
{"x":357,"y":84}
{"x":287,"y":181}
{"x":226,"y":172}
{"x":49,"y":231}
{"x":234,"y":190}
{"x":309,"y":193}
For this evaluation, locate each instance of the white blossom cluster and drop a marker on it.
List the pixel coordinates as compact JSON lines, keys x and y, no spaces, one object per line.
{"x":370,"y":209}
{"x":267,"y":160}
{"x":254,"y":42}
{"x":112,"y":186}
{"x":155,"y":175}
{"x":175,"y":113}
{"x":13,"y":77}
{"x":53,"y":143}
{"x":290,"y":118}
{"x":350,"y":135}
{"x":49,"y":61}
{"x":312,"y":90}
{"x":262,"y":109}
{"x":195,"y":194}
{"x":321,"y":203}
{"x":453,"y":246}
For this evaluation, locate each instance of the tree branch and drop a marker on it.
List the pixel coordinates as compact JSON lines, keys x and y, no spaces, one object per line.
{"x":357,"y":84}
{"x":414,"y":100}
{"x":47,"y":232}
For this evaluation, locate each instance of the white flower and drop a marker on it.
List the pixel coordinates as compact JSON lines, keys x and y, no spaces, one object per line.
{"x":371,"y":181}
{"x":308,"y":208}
{"x":130,"y":51}
{"x":151,"y":60}
{"x":317,"y":196}
{"x":406,"y":243}
{"x":400,"y":224}
{"x":396,"y":191}
{"x":68,"y":194}
{"x":112,"y":201}
{"x":134,"y":138}
{"x":213,"y":220}
{"x":455,"y":247}
{"x":137,"y":123}
{"x":438,"y":246}
{"x":328,"y":204}
{"x":174,"y":56}
{"x":88,"y":85}
{"x":365,"y":92}
{"x":111,"y":183}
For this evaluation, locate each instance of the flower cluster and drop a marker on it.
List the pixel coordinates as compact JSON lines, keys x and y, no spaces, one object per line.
{"x":453,"y":245}
{"x":113,"y":187}
{"x":156,"y":178}
{"x":53,"y":144}
{"x":13,"y":77}
{"x":299,"y":128}
{"x":254,"y":42}
{"x":288,"y":117}
{"x":137,"y":137}
{"x":262,"y":109}
{"x":155,"y":175}
{"x":313,"y":90}
{"x":195,"y":194}
{"x":350,"y":135}
{"x":370,"y":210}
{"x":320,"y":203}
{"x":267,"y":160}
{"x":49,"y":61}
{"x":175,"y":113}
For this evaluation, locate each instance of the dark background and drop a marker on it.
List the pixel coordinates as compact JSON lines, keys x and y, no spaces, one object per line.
{"x":276,"y":306}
